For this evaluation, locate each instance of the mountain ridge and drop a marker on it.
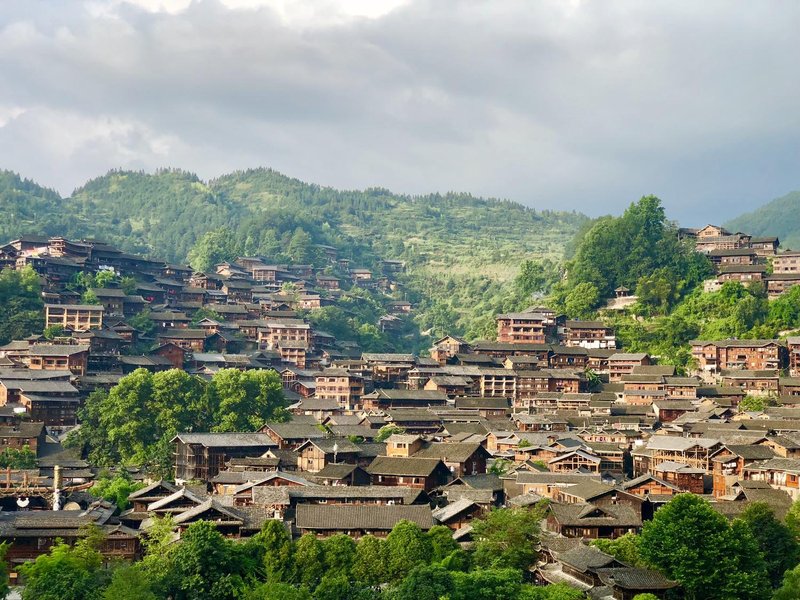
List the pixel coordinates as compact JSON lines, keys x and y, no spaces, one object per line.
{"x":779,"y":217}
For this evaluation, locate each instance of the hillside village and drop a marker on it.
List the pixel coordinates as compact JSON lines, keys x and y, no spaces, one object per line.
{"x":552,"y":410}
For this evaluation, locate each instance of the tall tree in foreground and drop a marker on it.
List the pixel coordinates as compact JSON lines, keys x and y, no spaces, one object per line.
{"x":507,"y":538}
{"x":692,"y":543}
{"x":20,"y":304}
{"x":775,"y":540}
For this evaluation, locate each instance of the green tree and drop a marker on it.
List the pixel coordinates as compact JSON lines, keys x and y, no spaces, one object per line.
{"x":407,"y":546}
{"x":625,"y":549}
{"x":21,"y":306}
{"x":369,"y":566}
{"x":53,"y":332}
{"x":245,"y":400}
{"x":582,"y":300}
{"x":299,"y":248}
{"x":309,"y":561}
{"x":143,"y":322}
{"x":753,"y":404}
{"x":128,"y":285}
{"x":790,"y":589}
{"x":277,"y":591}
{"x":658,"y":291}
{"x":388,"y":431}
{"x":775,"y":540}
{"x":4,"y":588}
{"x":277,"y":551}
{"x":487,"y":583}
{"x":507,"y":538}
{"x":334,"y":586}
{"x":500,"y":466}
{"x":695,"y":545}
{"x":425,"y":582}
{"x":65,"y":573}
{"x":212,"y":248}
{"x":206,"y":566}
{"x":442,"y":542}
{"x":134,"y":422}
{"x":792,"y":519}
{"x":115,"y":489}
{"x":205,"y":312}
{"x":340,"y":554}
{"x":89,"y":297}
{"x":558,"y":591}
{"x":621,"y":251}
{"x":18,"y":458}
{"x":129,"y":582}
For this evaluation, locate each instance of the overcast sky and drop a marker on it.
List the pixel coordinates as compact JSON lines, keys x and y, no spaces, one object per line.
{"x":565,"y":104}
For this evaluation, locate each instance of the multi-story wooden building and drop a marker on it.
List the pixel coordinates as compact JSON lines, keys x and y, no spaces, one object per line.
{"x":694,"y":452}
{"x":737,"y":256}
{"x":623,"y":363}
{"x":727,"y":355}
{"x":778,"y":283}
{"x":786,"y":262}
{"x":741,"y":273}
{"x":730,"y":461}
{"x":523,"y":328}
{"x":419,"y":473}
{"x":342,"y":386}
{"x":58,"y":357}
{"x":188,"y":339}
{"x":315,"y":455}
{"x":74,"y":317}
{"x":793,"y":343}
{"x":201,"y":456}
{"x":285,"y":330}
{"x":446,"y":348}
{"x":765,"y":246}
{"x":589,"y":334}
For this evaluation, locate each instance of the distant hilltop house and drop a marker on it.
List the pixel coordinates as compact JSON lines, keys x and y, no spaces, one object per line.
{"x":744,"y":258}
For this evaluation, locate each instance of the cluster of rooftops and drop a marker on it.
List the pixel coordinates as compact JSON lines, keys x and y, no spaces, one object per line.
{"x":550,"y":409}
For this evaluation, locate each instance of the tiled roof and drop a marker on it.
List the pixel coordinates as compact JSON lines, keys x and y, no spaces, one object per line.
{"x":238,"y":440}
{"x":629,"y":578}
{"x":392,"y":465}
{"x":339,"y":517}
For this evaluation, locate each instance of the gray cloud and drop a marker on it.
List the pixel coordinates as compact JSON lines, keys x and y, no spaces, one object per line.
{"x":556,"y":104}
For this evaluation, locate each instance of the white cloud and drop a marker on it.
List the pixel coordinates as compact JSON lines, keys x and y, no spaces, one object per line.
{"x":581,"y":105}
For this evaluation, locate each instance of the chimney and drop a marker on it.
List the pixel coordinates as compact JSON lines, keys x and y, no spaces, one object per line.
{"x":57,"y":477}
{"x":57,"y":487}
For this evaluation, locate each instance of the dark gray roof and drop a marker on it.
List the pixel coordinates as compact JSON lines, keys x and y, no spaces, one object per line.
{"x":296,"y":431}
{"x":589,"y":515}
{"x":340,"y":517}
{"x":629,"y":578}
{"x":450,"y":451}
{"x":56,"y":349}
{"x":392,"y":465}
{"x":238,"y":440}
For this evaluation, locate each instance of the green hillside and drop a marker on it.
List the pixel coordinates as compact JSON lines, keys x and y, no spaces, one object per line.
{"x":461,"y":251}
{"x":780,"y":217}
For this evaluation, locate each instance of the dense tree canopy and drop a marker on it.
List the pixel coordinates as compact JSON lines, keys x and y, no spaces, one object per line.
{"x":692,"y":543}
{"x":134,"y":422}
{"x":639,"y":250}
{"x":21,"y":306}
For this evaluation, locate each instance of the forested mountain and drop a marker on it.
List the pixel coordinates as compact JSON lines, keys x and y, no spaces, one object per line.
{"x":461,"y":251}
{"x":780,"y":217}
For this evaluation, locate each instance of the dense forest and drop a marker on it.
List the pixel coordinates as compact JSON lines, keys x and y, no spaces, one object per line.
{"x":467,"y":258}
{"x":460,"y":250}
